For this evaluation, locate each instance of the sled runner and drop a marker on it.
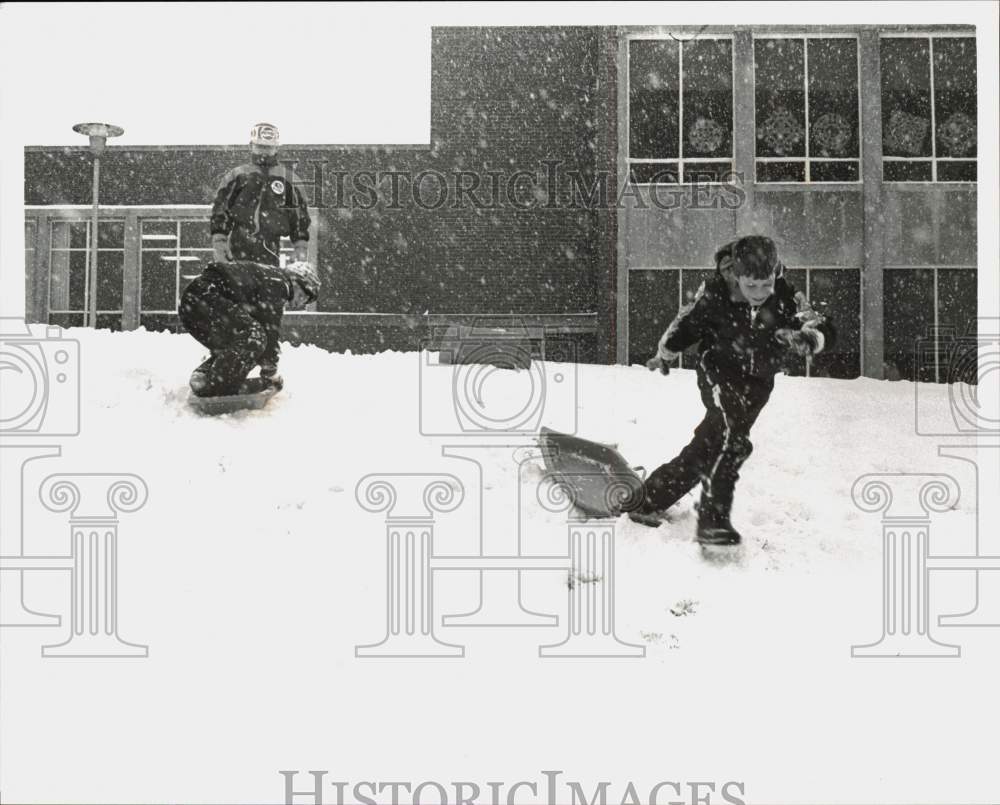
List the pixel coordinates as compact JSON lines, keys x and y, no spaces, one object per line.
{"x":213,"y":406}
{"x":599,"y":479}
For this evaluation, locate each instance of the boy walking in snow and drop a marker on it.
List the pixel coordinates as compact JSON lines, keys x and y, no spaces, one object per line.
{"x":234,"y":309}
{"x":745,"y":320}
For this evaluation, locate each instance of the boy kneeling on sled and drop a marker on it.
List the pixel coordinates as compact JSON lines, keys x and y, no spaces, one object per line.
{"x":745,"y":319}
{"x":234,"y":309}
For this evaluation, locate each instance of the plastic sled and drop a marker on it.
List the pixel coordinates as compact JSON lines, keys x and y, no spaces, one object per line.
{"x":599,"y":480}
{"x":213,"y":406}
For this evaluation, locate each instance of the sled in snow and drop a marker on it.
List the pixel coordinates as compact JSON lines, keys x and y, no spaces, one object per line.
{"x":599,"y":480}
{"x":227,"y":404}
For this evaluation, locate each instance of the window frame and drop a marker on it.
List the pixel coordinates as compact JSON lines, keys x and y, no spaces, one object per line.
{"x":680,"y":160}
{"x":934,"y":158}
{"x":85,"y":219}
{"x":807,"y":159}
{"x":44,"y":216}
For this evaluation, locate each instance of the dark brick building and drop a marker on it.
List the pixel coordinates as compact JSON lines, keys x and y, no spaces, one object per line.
{"x":578,"y":181}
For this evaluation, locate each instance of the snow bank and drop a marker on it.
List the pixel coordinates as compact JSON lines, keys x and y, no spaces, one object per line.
{"x":252,"y":573}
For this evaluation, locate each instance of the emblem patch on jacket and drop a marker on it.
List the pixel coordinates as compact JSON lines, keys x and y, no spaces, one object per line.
{"x":278,"y":187}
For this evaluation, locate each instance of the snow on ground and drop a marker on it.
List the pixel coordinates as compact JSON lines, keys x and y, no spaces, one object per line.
{"x":253,"y":572}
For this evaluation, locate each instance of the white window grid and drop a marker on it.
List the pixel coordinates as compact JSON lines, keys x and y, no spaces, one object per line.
{"x":934,"y":159}
{"x":681,"y":161}
{"x":807,"y":159}
{"x":88,"y":268}
{"x":286,"y":255}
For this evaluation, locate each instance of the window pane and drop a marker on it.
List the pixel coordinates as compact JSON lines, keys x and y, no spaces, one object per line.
{"x":833,"y":98}
{"x":708,"y":98}
{"x":779,"y":97}
{"x":59,"y":280}
{"x":957,"y":302}
{"x":77,"y":281}
{"x":159,"y":281}
{"x":834,"y":172}
{"x":955,"y":96}
{"x":159,"y":235}
{"x":109,"y":280}
{"x":109,"y":321}
{"x":908,"y":309}
{"x":838,"y":294}
{"x":110,"y":234}
{"x":956,"y":171}
{"x":195,"y":235}
{"x":66,"y":319}
{"x":652,"y":306}
{"x":906,"y":105}
{"x":781,"y":171}
{"x":653,"y":99}
{"x":956,"y":242}
{"x":654,"y":173}
{"x":697,"y":172}
{"x":78,"y":235}
{"x":906,"y":171}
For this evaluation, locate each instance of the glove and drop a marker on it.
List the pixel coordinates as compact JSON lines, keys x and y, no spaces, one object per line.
{"x":802,"y":342}
{"x":657,"y":363}
{"x":268,"y":369}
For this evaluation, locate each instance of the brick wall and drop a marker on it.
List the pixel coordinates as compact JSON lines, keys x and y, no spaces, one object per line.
{"x":503,"y":100}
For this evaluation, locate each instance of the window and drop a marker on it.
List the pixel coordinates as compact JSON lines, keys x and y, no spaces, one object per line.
{"x":806,"y":105}
{"x":172,"y":253}
{"x":680,"y":110}
{"x":69,"y":273}
{"x":928,"y":108}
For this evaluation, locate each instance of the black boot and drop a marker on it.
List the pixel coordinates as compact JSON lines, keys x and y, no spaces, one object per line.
{"x":200,"y":380}
{"x":714,"y":528}
{"x":648,"y":514}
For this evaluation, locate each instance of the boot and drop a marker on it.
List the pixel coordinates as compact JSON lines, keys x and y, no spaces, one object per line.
{"x":648,"y":515}
{"x":255,"y":385}
{"x":714,"y":528}
{"x":200,"y":381}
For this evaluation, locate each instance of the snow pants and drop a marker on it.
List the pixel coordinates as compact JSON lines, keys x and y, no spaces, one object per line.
{"x":235,"y":339}
{"x":720,"y":445}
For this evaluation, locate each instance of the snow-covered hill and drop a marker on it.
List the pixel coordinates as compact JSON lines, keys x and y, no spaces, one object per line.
{"x":253,"y":572}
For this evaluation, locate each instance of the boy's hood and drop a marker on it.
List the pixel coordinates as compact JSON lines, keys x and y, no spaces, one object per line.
{"x":724,"y":268}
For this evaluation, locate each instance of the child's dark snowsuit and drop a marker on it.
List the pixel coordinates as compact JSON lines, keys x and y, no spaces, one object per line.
{"x":738,"y":358}
{"x":235,"y":310}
